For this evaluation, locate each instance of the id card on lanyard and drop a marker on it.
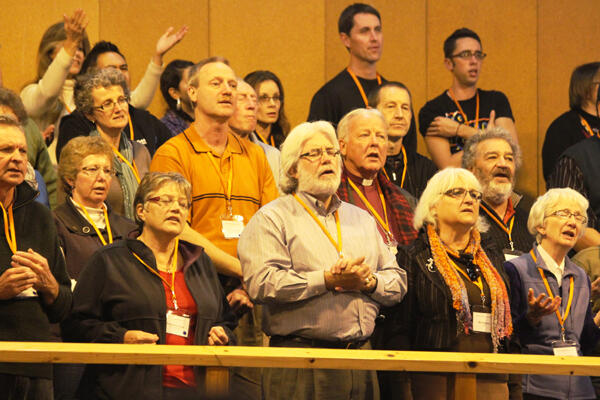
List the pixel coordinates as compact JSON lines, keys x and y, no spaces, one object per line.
{"x":232,"y":225}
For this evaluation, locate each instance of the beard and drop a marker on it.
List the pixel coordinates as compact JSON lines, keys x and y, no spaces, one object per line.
{"x":315,"y":186}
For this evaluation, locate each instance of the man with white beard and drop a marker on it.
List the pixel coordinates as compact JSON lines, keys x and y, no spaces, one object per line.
{"x":320,"y":268}
{"x":494,"y":158}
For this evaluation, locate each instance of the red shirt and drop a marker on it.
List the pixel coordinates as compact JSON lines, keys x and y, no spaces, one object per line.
{"x":177,"y":376}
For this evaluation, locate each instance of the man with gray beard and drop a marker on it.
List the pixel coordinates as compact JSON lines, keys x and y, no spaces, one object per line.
{"x":494,"y":158}
{"x":320,"y":268}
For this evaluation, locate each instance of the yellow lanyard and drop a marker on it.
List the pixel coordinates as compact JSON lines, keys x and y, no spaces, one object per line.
{"x":478,"y":282}
{"x":385,"y":225}
{"x":263,"y":139}
{"x":466,"y":120}
{"x":587,"y":127}
{"x":502,"y":225}
{"x":9,"y":228}
{"x":131,"y":164}
{"x":87,"y":216}
{"x":173,"y":270}
{"x":359,"y":86}
{"x":226,"y":188}
{"x":130,"y":127}
{"x":561,"y":318}
{"x":67,"y":107}
{"x":338,"y":244}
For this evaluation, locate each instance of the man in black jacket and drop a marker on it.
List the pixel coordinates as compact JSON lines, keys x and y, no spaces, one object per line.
{"x":34,"y":285}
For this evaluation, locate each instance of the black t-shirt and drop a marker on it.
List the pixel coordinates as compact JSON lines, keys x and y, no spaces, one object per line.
{"x":147,"y":129}
{"x":564,"y":132}
{"x":444,"y":106}
{"x":420,"y":170}
{"x":340,"y":95}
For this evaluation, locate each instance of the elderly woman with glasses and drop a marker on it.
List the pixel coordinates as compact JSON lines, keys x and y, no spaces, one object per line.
{"x":550,"y":295}
{"x":102,"y":97}
{"x":151,"y":289}
{"x":458,"y":300}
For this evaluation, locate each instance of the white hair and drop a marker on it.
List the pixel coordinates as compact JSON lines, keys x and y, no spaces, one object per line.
{"x":345,"y":123}
{"x":547,"y":202}
{"x":292,"y":147}
{"x":440,"y":183}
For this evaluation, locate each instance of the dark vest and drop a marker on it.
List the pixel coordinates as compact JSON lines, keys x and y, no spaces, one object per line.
{"x":586,"y":154}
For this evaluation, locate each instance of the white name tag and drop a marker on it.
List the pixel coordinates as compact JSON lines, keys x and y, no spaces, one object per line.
{"x":27,"y":293}
{"x":566,"y":348}
{"x":482,"y":322}
{"x":232,"y":228}
{"x":178,"y":324}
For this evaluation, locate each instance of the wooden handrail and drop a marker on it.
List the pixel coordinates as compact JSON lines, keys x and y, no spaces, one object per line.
{"x":280,"y":357}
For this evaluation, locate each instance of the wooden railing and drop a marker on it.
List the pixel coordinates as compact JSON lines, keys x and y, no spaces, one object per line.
{"x":219,"y":358}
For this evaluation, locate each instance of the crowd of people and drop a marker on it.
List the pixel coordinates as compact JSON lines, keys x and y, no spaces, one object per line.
{"x":219,"y":225}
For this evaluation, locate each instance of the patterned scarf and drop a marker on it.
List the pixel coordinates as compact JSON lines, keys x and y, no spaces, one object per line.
{"x":501,"y":318}
{"x":401,"y":214}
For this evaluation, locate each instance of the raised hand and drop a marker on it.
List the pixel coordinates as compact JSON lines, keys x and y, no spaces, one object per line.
{"x":74,"y":29}
{"x":167,"y":41}
{"x":540,"y":306}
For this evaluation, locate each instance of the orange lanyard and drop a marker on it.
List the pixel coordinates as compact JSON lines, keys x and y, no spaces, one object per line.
{"x":359,"y":86}
{"x":226,"y":188}
{"x":588,"y":129}
{"x":87,"y":216}
{"x":478,"y":282}
{"x":130,"y":128}
{"x":9,"y":228}
{"x":502,"y":225}
{"x":173,"y":270}
{"x":131,"y":164}
{"x":67,"y":107}
{"x":403,"y":169}
{"x":561,"y":318}
{"x":263,"y":139}
{"x":338,"y":244}
{"x":385,"y":225}
{"x":466,"y":120}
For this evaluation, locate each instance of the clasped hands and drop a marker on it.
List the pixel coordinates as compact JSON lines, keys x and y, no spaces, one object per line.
{"x":28,"y":270}
{"x":350,"y":275}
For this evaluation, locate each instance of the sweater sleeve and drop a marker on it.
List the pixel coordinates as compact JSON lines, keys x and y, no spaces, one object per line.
{"x":37,"y":96}
{"x":143,"y":94}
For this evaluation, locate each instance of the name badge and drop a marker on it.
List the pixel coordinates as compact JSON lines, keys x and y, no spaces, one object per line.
{"x":565,"y":348}
{"x":27,"y":294}
{"x":482,"y":322}
{"x":232,"y":226}
{"x":178,"y":323}
{"x":510,"y":254}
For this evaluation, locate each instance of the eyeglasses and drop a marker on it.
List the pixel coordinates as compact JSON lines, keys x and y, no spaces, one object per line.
{"x":461,"y":193}
{"x":166,"y":201}
{"x":262,"y":99}
{"x":94,"y":170}
{"x":467,"y":54}
{"x":566,"y":214}
{"x":109,"y":106}
{"x":317,"y":154}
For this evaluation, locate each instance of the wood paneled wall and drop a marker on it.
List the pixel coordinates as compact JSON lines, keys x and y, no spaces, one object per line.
{"x":532,"y":47}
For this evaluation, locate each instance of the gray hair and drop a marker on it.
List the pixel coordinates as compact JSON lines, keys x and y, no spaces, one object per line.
{"x":292,"y":148}
{"x":153,"y":181}
{"x":440,"y":183}
{"x":345,"y":123}
{"x":194,"y":69}
{"x":470,"y":147}
{"x":105,"y":78}
{"x":549,"y":200}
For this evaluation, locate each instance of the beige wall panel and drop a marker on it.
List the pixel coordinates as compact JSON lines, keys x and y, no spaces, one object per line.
{"x":23,"y":24}
{"x":508,"y":31}
{"x":568,"y":37}
{"x":285,"y":37}
{"x":136,"y":25}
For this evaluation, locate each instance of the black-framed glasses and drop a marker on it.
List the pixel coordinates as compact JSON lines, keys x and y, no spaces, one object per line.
{"x":461,"y":193}
{"x":109,"y":105}
{"x":467,"y":54}
{"x":317,"y":154}
{"x":166,"y":201}
{"x":94,"y":170}
{"x":566,"y":214}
